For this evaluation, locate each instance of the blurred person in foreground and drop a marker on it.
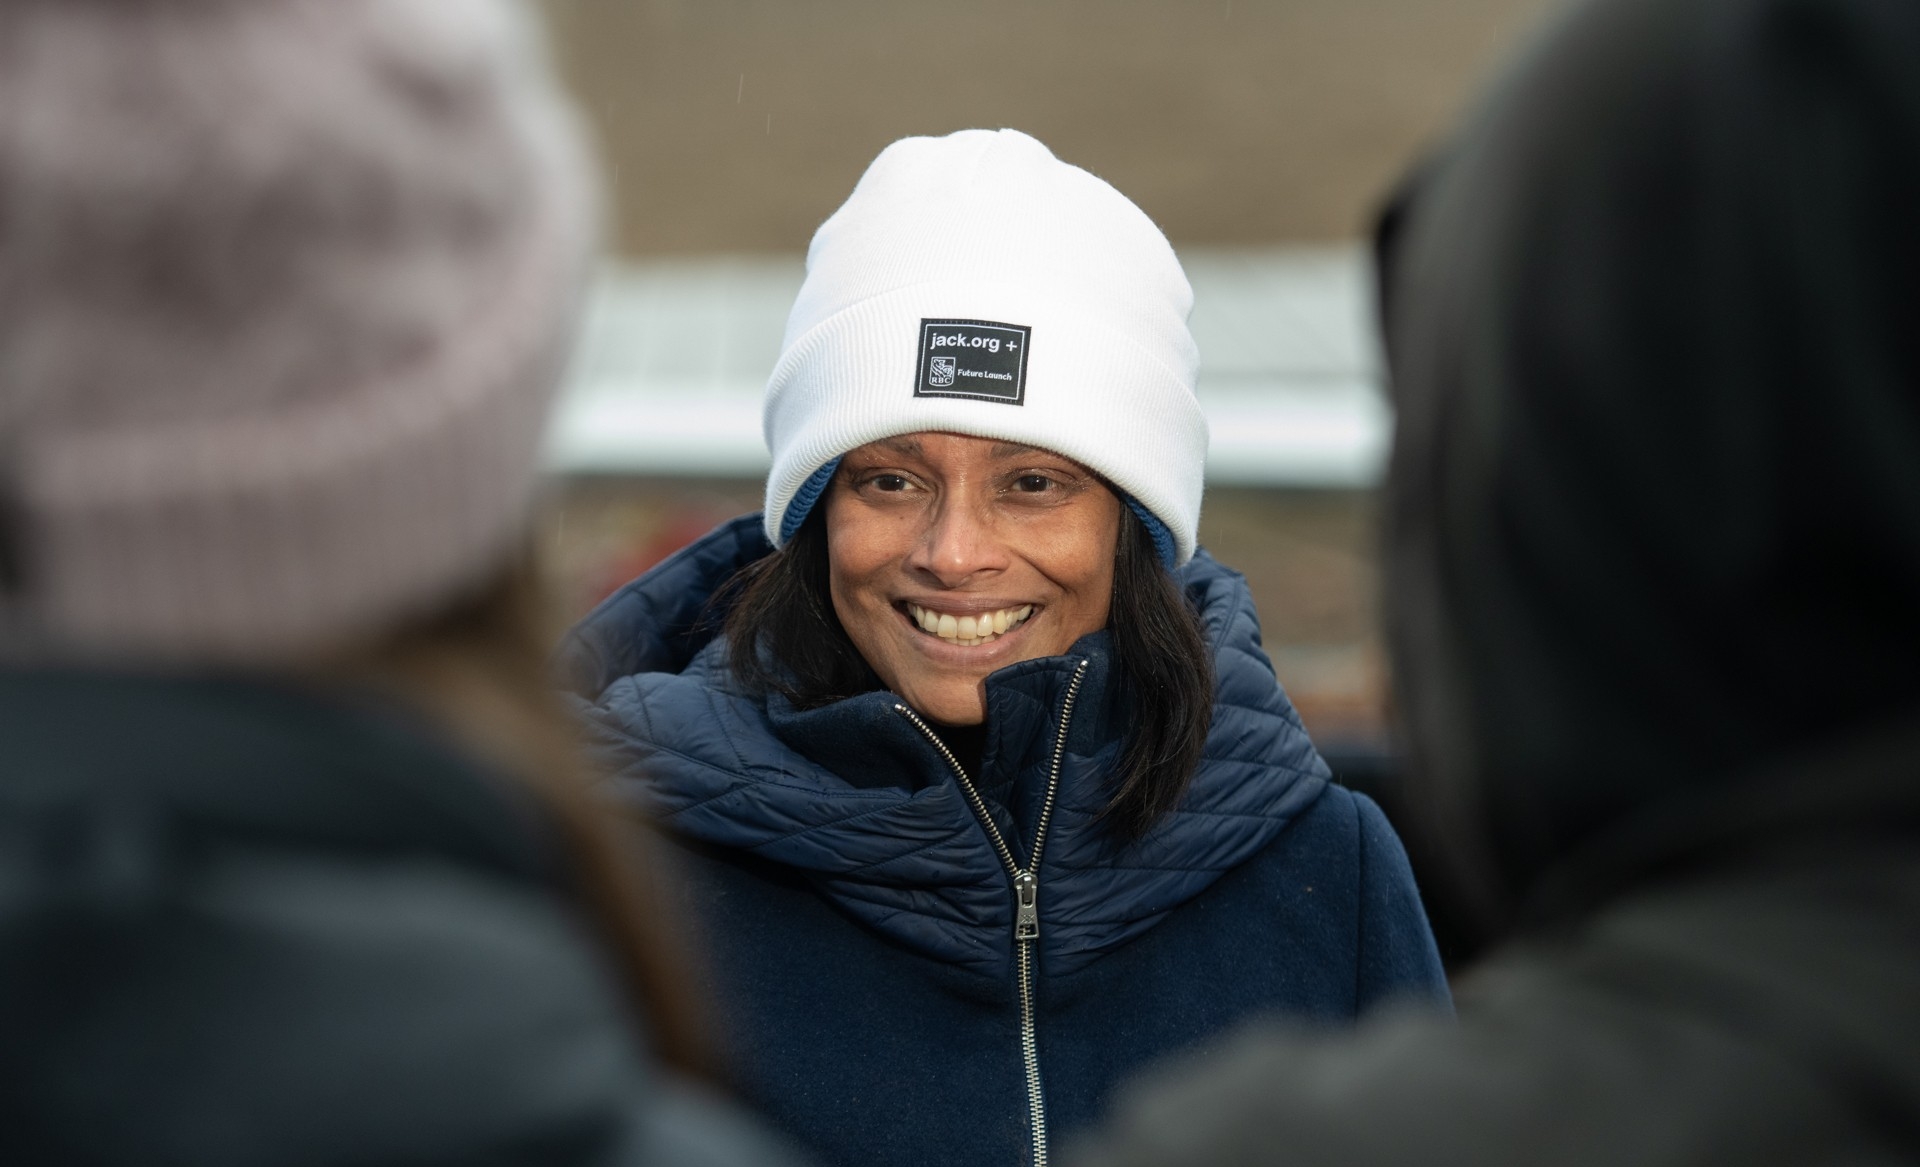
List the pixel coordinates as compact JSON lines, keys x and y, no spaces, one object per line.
{"x":292,"y":865}
{"x":987,"y":792}
{"x":1654,"y":546}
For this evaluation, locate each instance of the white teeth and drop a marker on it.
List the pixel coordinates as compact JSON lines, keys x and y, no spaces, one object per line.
{"x":969,"y":631}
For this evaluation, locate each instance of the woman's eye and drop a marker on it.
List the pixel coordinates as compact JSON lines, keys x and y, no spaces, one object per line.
{"x":888,"y":482}
{"x":1032,"y":483}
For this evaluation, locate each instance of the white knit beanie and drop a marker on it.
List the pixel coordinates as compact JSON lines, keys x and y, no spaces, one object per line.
{"x":285,"y":290}
{"x":978,"y":285}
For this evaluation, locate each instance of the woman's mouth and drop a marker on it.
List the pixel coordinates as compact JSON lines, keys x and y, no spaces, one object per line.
{"x":970,"y":630}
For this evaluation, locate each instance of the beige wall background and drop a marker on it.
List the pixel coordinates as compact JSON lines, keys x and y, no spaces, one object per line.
{"x":738,"y":125}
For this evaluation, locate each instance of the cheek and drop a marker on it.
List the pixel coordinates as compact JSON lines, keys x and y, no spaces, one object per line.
{"x":1085,"y":568}
{"x":1096,"y":588}
{"x":859,"y":552}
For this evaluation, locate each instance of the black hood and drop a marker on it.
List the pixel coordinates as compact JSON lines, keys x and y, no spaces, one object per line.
{"x":1653,"y":321}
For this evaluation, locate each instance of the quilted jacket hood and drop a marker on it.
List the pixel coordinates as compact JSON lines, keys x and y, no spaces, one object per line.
{"x":857,"y":800}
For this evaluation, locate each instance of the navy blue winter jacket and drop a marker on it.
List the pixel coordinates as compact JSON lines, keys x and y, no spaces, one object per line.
{"x":860,"y":920}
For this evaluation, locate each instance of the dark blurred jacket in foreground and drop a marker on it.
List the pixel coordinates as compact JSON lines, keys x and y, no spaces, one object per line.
{"x":244,"y":923}
{"x":1655,"y":600}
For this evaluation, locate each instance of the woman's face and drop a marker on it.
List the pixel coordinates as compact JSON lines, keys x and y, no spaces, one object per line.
{"x":953,"y":556}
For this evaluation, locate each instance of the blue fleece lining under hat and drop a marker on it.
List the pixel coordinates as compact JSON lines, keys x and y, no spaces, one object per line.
{"x":804,"y":498}
{"x":816,"y":485}
{"x":1162,"y":538}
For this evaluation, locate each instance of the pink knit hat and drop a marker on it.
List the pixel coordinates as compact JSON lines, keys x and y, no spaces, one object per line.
{"x":285,"y":290}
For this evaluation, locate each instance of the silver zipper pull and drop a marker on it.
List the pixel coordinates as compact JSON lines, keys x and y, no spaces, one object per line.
{"x":1026,"y":896}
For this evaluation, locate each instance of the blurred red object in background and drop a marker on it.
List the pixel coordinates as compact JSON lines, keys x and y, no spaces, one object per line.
{"x":675,"y":530}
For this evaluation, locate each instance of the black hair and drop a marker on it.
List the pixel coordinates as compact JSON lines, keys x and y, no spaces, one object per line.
{"x":784,"y":637}
{"x":1165,"y":674}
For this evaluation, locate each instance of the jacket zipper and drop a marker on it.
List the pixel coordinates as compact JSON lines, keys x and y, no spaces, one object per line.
{"x":1026,"y":896}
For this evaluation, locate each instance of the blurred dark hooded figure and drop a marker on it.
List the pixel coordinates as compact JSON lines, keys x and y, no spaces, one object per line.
{"x":1654,"y":547}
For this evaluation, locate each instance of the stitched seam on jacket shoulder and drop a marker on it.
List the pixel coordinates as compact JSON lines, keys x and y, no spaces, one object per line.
{"x":753,"y":774}
{"x":808,"y":830}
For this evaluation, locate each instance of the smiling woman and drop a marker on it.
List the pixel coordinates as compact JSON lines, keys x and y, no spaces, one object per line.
{"x":986,"y":793}
{"x":946,"y":558}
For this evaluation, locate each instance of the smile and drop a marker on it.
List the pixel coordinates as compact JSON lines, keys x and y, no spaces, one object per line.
{"x":968,"y":631}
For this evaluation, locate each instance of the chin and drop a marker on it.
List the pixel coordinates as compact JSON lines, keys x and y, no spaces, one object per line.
{"x":951,"y":708}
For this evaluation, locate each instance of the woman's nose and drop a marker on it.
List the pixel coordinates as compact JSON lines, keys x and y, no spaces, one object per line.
{"x":958,"y":544}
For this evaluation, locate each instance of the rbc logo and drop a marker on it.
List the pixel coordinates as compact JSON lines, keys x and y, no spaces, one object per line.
{"x":940,"y":372}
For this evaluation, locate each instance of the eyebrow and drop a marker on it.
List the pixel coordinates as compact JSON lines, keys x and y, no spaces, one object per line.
{"x":1021,"y":449}
{"x":1015,"y":449}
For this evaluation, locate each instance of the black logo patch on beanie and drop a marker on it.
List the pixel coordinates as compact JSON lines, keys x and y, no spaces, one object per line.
{"x":982,"y":359}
